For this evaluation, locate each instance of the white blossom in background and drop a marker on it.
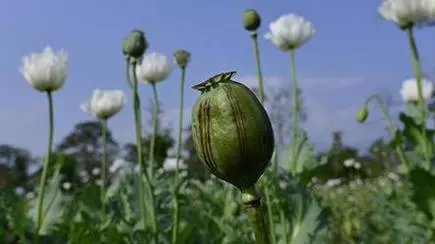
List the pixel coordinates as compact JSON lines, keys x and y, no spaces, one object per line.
{"x":349,"y":162}
{"x":357,"y":165}
{"x":19,"y":191}
{"x":183,"y":174}
{"x":118,"y":164}
{"x":84,"y":176}
{"x":95,"y":171}
{"x":153,"y":68}
{"x":393,"y":176}
{"x":136,"y":168}
{"x":407,"y":12}
{"x":30,"y":195}
{"x":47,"y":70}
{"x":66,"y":185}
{"x":170,"y":164}
{"x":409,"y":90}
{"x":333,"y":182}
{"x":99,"y":182}
{"x":103,"y":104}
{"x":290,"y":31}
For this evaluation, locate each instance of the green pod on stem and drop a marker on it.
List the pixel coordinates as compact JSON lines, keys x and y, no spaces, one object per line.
{"x":231,"y":131}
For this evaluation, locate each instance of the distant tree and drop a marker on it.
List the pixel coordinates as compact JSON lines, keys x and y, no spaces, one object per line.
{"x":14,"y":164}
{"x":164,"y":142}
{"x":278,"y":102}
{"x":195,"y":168}
{"x":84,"y":143}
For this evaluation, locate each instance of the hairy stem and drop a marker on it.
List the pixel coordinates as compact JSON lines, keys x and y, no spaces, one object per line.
{"x":415,"y":60}
{"x":142,"y":172}
{"x":103,"y":170}
{"x":176,"y":215}
{"x":293,"y":162}
{"x":154,"y":132}
{"x":47,"y":160}
{"x":252,"y":203}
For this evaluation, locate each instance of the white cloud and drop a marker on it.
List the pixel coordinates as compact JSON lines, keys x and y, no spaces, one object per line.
{"x":268,"y":81}
{"x":331,"y":82}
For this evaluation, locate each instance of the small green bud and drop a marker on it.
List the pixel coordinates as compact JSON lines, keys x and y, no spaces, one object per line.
{"x":182,"y":58}
{"x":362,"y":114}
{"x":231,"y":131}
{"x":135,"y":44}
{"x":251,"y":19}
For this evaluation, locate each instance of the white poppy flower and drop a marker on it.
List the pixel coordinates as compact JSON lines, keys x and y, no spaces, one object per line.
{"x":349,"y":162}
{"x":104,"y":104}
{"x":357,"y":165}
{"x":99,"y":182}
{"x":19,"y":191}
{"x":170,"y":164}
{"x":66,"y":185}
{"x":117,"y":164}
{"x":45,"y":71}
{"x":153,"y":68}
{"x":409,"y":90}
{"x":30,"y":195}
{"x":407,"y":12}
{"x":95,"y":171}
{"x":290,"y":31}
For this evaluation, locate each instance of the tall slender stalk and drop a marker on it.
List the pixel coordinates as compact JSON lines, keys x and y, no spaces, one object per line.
{"x":391,"y":129}
{"x":257,"y":62}
{"x":415,"y":60}
{"x":140,"y":158}
{"x":293,"y":162}
{"x":180,"y":123}
{"x":103,"y":170}
{"x":45,"y":166}
{"x":154,"y":132}
{"x":176,"y":216}
{"x":271,"y":223}
{"x":252,"y":202}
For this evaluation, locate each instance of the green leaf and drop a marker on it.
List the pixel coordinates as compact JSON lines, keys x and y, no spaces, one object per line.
{"x":314,"y":219}
{"x":304,"y":152}
{"x":52,"y":206}
{"x":424,"y":195}
{"x":414,"y":133}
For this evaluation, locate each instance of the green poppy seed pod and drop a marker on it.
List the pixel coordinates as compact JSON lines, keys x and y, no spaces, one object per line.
{"x":231,"y":131}
{"x":135,"y":44}
{"x":251,"y":19}
{"x":362,"y":114}
{"x":182,"y":58}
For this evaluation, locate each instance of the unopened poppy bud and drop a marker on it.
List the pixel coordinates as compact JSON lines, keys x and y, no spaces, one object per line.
{"x":231,"y":131}
{"x":135,"y":44}
{"x":182,"y":58}
{"x":362,"y":114}
{"x":251,"y":19}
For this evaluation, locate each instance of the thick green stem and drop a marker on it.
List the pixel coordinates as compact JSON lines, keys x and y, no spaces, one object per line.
{"x":257,"y":62}
{"x":415,"y":60}
{"x":175,"y":220}
{"x":391,"y":129}
{"x":271,"y":223}
{"x":45,"y":166}
{"x":252,"y":202}
{"x":103,"y":170}
{"x":284,"y":229}
{"x":140,"y":158}
{"x":154,"y":132}
{"x":254,"y":37}
{"x":293,"y":162}
{"x":176,"y":215}
{"x":180,"y":124}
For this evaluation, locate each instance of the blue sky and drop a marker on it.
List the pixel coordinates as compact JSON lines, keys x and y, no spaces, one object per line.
{"x":353,"y":54}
